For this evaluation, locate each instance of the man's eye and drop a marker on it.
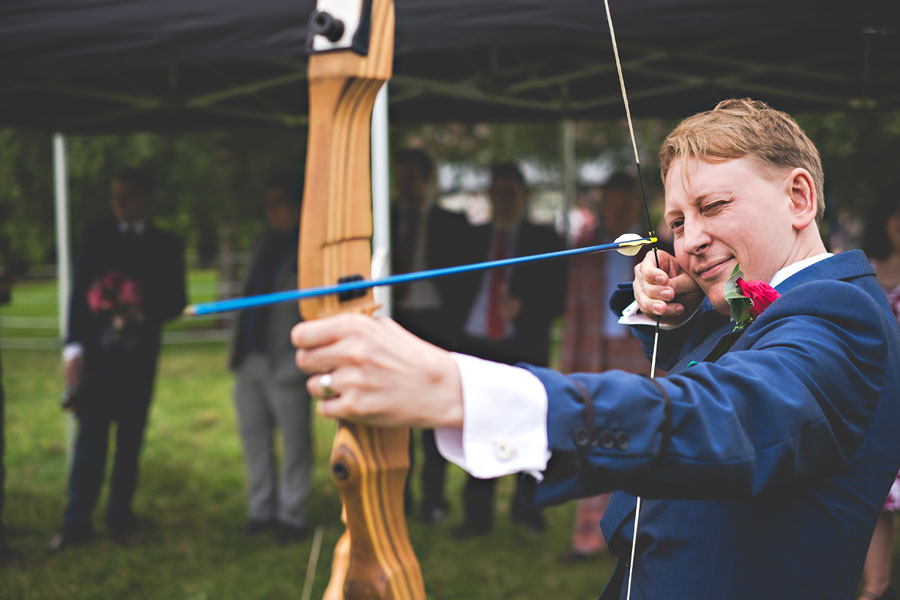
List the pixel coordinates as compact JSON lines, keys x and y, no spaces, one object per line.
{"x":714,"y":206}
{"x":676,"y":224}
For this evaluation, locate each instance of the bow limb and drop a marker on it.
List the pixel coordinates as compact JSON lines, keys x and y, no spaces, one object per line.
{"x":374,"y":559}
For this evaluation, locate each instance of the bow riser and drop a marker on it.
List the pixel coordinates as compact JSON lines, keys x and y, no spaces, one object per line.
{"x":336,"y":225}
{"x":369,"y":465}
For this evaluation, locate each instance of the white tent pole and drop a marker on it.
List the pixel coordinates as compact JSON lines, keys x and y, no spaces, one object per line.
{"x":569,"y":171}
{"x":63,"y":258}
{"x":381,"y":210}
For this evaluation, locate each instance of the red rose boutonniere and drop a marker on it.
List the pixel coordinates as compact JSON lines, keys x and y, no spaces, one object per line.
{"x":747,"y":299}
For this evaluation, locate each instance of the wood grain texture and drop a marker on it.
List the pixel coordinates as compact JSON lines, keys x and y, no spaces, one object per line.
{"x":369,"y":465}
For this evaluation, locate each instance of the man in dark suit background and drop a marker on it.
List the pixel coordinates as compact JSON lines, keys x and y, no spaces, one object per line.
{"x":129,"y":280}
{"x":510,"y":313}
{"x":269,"y":391}
{"x":425,"y":236}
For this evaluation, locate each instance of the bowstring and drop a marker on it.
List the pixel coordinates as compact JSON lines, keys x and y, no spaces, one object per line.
{"x":637,"y":162}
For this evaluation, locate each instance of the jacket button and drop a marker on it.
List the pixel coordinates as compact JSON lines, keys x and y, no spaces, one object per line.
{"x":607,"y":439}
{"x":622,"y":441}
{"x":581,"y":436}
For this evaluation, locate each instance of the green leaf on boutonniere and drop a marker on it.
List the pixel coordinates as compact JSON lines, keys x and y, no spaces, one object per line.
{"x":737,"y":301}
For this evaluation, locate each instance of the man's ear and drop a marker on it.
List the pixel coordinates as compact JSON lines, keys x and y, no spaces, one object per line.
{"x":804,"y":201}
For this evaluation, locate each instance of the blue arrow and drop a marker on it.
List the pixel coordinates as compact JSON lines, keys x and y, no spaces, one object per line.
{"x":221,"y":306}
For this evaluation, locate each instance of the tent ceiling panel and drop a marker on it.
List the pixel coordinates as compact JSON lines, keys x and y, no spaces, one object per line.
{"x":114,"y":65}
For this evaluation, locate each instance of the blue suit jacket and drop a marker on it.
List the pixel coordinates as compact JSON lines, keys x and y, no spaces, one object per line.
{"x":762,"y":473}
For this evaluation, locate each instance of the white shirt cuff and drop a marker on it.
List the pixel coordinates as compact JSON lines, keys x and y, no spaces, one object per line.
{"x":72,"y":350}
{"x":633,"y":316}
{"x":504,"y":421}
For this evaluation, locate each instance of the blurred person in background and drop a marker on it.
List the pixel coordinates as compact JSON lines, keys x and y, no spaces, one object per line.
{"x":6,"y":554}
{"x":509,"y":316}
{"x":425,"y":236}
{"x":593,"y":340}
{"x":882,"y":245}
{"x":269,"y":391}
{"x":8,"y":272}
{"x":129,"y":280}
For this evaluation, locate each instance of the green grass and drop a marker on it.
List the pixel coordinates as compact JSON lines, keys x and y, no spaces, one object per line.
{"x":191,"y":506}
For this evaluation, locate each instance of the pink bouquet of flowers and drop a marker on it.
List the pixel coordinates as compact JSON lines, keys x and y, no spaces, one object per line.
{"x":118,"y":298}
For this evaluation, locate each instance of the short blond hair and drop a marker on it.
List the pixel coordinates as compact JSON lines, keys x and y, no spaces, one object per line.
{"x":744,"y":127}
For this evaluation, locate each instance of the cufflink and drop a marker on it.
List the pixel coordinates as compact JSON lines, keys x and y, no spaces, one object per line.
{"x":503,"y":450}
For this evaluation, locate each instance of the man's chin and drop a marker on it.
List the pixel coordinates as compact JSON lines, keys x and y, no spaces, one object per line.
{"x":716,"y":297}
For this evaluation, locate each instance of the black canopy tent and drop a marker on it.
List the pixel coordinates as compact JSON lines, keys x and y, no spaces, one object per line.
{"x":97,"y":66}
{"x":175,"y":65}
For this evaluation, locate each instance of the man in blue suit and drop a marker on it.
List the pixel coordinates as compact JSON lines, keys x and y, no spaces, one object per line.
{"x":763,"y":457}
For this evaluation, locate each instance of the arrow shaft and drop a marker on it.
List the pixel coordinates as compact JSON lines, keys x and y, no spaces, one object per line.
{"x":233,"y":304}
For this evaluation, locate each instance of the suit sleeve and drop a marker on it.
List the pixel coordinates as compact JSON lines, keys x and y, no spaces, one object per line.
{"x":454,"y":244}
{"x":79,"y":312}
{"x":541,"y":287}
{"x":671,"y":340}
{"x":549,"y":286}
{"x":794,"y":402}
{"x":174,"y":289}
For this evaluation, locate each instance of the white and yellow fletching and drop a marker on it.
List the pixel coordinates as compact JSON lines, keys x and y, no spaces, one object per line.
{"x":631,"y":243}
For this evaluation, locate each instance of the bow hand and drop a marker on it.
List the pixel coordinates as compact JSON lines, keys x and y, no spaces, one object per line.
{"x":378,"y":373}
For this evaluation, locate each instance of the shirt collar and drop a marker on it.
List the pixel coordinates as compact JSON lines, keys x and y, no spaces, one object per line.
{"x":138,"y":227}
{"x":795,"y":268}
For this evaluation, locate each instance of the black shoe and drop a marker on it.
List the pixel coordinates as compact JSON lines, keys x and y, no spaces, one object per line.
{"x":124,"y":530}
{"x":125,"y":536}
{"x":534,"y":524}
{"x":290,"y":534}
{"x":68,"y":538}
{"x":258,"y":526}
{"x":533,"y":520}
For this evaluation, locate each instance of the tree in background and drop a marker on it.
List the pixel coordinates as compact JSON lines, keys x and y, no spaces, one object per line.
{"x":209,"y":182}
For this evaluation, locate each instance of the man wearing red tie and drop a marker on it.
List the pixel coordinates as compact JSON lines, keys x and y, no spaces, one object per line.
{"x":511,"y":312}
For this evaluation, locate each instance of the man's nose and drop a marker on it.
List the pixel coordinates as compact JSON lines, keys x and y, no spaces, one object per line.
{"x":696,"y":238}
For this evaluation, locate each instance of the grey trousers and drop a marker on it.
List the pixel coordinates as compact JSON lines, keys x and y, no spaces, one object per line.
{"x":264,"y":402}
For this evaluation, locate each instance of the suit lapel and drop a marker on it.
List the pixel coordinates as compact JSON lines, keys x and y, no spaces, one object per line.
{"x":710,"y":328}
{"x":704,"y":348}
{"x":847,"y":265}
